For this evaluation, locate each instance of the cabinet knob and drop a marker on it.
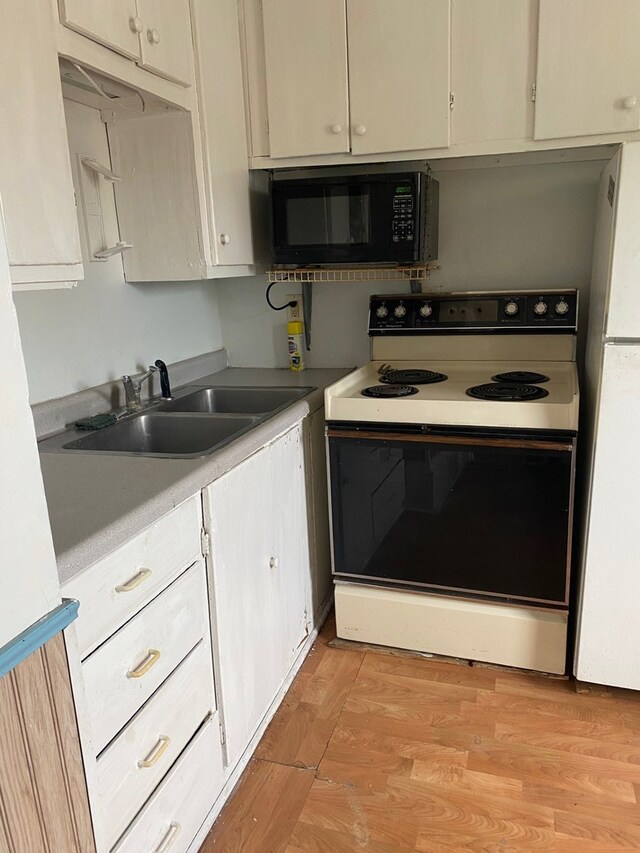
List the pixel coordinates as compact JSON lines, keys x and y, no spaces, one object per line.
{"x":359,"y":130}
{"x":153,"y":36}
{"x":274,"y":562}
{"x":336,"y":128}
{"x":135,"y":25}
{"x":630,"y":103}
{"x":225,"y":239}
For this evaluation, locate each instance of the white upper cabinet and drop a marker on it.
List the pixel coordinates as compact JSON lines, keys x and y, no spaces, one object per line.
{"x":115,"y":23}
{"x":224,"y":131}
{"x":155,"y":33}
{"x":165,"y":38}
{"x":35,"y":173}
{"x":350,"y":76}
{"x":493,"y":54}
{"x":588,"y":68}
{"x":305,"y":44}
{"x":398,"y":74}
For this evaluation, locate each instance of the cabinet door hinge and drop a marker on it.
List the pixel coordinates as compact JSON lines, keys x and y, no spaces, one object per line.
{"x":534,"y":90}
{"x":452,"y":99}
{"x":205,"y":543}
{"x":223,"y":737}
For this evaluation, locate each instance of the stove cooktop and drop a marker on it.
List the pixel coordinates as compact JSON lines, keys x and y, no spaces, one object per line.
{"x":471,"y":393}
{"x":412,"y":376}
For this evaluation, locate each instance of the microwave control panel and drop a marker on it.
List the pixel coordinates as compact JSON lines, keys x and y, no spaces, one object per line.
{"x":425,"y":313}
{"x":403,"y":217}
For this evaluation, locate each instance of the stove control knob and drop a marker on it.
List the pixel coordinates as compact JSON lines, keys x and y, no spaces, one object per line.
{"x":561,"y":308}
{"x":426,"y":310}
{"x":540,"y":308}
{"x":511,"y":309}
{"x":399,"y":310}
{"x":382,"y":311}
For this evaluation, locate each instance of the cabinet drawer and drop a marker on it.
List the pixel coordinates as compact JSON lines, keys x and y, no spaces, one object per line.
{"x":179,"y":806}
{"x":133,"y":764}
{"x":116,"y":587}
{"x":123,"y":673}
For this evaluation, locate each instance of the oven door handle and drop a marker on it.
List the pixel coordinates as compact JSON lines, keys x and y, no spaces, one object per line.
{"x":472,"y":440}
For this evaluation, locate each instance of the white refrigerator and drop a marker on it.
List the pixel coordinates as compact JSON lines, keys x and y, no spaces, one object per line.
{"x":608,"y":618}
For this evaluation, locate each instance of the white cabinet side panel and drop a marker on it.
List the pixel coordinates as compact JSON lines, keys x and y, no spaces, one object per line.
{"x":609,"y":640}
{"x":624,"y":298}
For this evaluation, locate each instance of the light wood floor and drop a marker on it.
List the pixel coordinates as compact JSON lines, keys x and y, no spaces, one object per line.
{"x":379,"y":753}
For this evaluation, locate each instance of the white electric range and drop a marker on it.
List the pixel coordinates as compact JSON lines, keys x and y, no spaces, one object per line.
{"x":452,"y":461}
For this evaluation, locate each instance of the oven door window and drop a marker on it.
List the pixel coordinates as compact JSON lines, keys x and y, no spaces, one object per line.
{"x":479,"y":518}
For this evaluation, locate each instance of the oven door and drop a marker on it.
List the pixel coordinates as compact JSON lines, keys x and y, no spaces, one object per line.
{"x":480,"y":515}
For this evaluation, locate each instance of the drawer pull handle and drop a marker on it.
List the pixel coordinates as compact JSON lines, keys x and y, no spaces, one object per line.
{"x":153,"y":656}
{"x":156,"y":753}
{"x":133,"y":582}
{"x":170,"y":837}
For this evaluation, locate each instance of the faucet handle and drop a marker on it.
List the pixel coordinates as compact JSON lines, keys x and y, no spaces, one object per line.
{"x":165,"y":385}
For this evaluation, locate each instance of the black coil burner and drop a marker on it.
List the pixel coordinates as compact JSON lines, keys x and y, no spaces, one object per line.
{"x":387,"y":391}
{"x":412,"y":377}
{"x":506,"y":392}
{"x":526,"y":377}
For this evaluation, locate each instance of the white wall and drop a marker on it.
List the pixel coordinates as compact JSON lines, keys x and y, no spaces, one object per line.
{"x":509,"y":227}
{"x":74,"y":339}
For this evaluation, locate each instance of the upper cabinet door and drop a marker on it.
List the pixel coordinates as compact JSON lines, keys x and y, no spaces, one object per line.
{"x":306,"y":70}
{"x":588,"y":78}
{"x":114,"y":23}
{"x":488,"y":38}
{"x":166,"y":46}
{"x":35,"y":173}
{"x":398,"y":74}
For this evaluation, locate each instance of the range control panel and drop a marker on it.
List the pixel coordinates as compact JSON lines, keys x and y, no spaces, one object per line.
{"x":420,"y":313}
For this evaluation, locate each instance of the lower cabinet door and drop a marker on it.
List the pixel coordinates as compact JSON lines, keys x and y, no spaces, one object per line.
{"x":133,"y":764}
{"x":261,"y":581}
{"x":172,"y":817}
{"x":239,"y":510}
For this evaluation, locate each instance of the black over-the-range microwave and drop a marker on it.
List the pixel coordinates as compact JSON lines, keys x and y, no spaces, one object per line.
{"x":355,"y":219}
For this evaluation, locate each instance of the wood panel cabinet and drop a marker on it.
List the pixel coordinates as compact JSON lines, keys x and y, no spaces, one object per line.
{"x":259,"y":564}
{"x":493,"y":55}
{"x":154,"y":33}
{"x":351,"y":76}
{"x":114,"y":24}
{"x":305,"y":49}
{"x":398,"y":74}
{"x":588,"y":68}
{"x":35,"y":173}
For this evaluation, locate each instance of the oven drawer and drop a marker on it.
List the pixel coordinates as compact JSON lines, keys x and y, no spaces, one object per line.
{"x":171,"y":818}
{"x":132,"y":765}
{"x":124,"y":672}
{"x":112,"y":590}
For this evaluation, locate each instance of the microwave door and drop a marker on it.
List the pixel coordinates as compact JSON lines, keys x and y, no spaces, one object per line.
{"x":322,"y":225}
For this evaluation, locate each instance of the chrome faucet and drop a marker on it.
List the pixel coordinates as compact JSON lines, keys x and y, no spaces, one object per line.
{"x":132,"y":389}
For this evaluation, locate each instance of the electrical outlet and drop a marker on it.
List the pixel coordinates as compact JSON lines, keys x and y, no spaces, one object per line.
{"x":294,"y":314}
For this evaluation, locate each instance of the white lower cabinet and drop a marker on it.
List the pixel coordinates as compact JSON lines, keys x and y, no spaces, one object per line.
{"x":174,"y":814}
{"x":261,"y":588}
{"x":131,"y":766}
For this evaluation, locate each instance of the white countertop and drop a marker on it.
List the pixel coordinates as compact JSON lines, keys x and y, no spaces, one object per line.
{"x":97,"y":501}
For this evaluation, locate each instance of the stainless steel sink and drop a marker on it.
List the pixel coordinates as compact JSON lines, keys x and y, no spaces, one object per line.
{"x":157,"y":434}
{"x":257,"y":401}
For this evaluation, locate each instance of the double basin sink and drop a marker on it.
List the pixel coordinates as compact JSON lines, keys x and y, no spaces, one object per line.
{"x":194,"y":423}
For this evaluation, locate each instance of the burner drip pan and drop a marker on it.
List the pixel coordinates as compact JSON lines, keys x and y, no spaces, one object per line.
{"x":412,"y":376}
{"x":526,"y":377}
{"x":389,"y":391}
{"x":511,"y":392}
